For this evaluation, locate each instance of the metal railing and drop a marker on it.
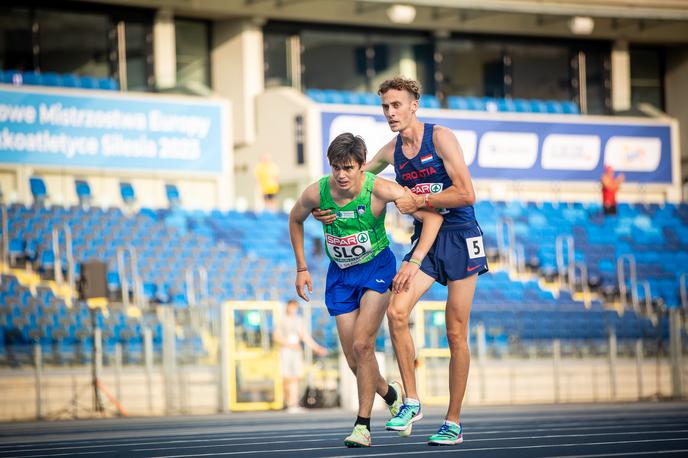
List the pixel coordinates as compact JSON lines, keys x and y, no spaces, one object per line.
{"x":683,"y":288}
{"x":585,"y":287}
{"x":506,"y":242}
{"x":565,"y":262}
{"x":621,"y":275}
{"x":137,"y":286}
{"x":5,"y":236}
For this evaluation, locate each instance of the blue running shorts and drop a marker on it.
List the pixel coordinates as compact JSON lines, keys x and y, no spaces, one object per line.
{"x":345,"y":287}
{"x":458,"y":252}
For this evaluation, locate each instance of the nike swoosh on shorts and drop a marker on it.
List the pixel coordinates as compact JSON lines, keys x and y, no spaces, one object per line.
{"x":471,"y":269}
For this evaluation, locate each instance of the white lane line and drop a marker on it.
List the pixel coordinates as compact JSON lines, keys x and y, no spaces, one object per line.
{"x":450,"y":450}
{"x":495,"y":429}
{"x":341,"y":433}
{"x":459,"y":449}
{"x":491,"y":439}
{"x":649,"y":452}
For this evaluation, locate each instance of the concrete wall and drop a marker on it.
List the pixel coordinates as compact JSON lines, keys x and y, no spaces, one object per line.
{"x":66,"y":392}
{"x":276,"y":111}
{"x":676,"y":91}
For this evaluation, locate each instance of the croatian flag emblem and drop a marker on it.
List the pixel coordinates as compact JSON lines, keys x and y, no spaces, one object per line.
{"x":427,"y":158}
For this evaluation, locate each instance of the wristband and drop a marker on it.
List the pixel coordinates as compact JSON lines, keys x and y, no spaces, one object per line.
{"x":414,"y":261}
{"x":302,"y":269}
{"x":427,"y":201}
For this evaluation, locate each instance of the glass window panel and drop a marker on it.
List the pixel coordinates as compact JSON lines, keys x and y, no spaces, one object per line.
{"x":470,"y":68}
{"x":407,"y":56}
{"x":74,"y":43}
{"x":193,"y":52}
{"x":139,"y":55}
{"x":598,"y":83}
{"x":276,"y":55}
{"x":646,"y":77}
{"x":336,"y":60}
{"x":540,"y":72}
{"x":16,"y":47}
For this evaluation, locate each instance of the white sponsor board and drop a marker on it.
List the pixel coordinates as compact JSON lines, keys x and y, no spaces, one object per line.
{"x":508,"y":150}
{"x":571,"y":152}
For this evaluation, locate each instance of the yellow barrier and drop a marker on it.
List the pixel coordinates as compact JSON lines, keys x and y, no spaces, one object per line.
{"x":424,"y":354}
{"x":254,"y":364}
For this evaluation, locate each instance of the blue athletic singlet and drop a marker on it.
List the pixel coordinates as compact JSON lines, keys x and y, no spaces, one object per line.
{"x":425,"y":173}
{"x":458,"y":250}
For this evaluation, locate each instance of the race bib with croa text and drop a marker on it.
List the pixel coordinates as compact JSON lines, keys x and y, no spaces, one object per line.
{"x":430,"y":188}
{"x":350,"y":250}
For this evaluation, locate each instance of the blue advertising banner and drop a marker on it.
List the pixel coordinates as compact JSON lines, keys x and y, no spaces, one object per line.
{"x":556,"y":150}
{"x":56,"y":128}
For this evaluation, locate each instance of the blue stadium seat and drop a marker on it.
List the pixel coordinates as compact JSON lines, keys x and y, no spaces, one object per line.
{"x":83,"y":191}
{"x":38,"y":189}
{"x":89,"y":82}
{"x":108,"y":84}
{"x":172,"y":194}
{"x":429,"y":101}
{"x":31,"y":78}
{"x":457,"y":103}
{"x":315,"y":95}
{"x":570,"y":108}
{"x":506,"y":105}
{"x":127,"y":192}
{"x":71,"y":80}
{"x":51,"y":79}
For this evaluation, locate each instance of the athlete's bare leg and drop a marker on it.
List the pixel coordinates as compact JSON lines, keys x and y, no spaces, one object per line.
{"x":398,"y":314}
{"x":459,"y":300}
{"x":357,"y":333}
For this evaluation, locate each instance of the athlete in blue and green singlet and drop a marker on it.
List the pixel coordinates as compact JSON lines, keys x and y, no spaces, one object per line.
{"x":362,"y":268}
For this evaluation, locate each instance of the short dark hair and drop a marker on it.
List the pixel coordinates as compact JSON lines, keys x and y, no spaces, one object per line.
{"x":346,"y":148}
{"x":400,"y":83}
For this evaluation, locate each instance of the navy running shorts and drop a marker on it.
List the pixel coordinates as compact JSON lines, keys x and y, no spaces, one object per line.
{"x":458,"y":253}
{"x":345,"y":287}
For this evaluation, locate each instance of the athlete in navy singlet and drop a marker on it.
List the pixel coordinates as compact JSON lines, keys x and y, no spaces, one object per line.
{"x":428,"y":160}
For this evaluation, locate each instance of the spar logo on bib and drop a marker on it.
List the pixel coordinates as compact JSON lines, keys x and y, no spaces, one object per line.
{"x":427,"y":188}
{"x":430,"y":188}
{"x":350,"y":250}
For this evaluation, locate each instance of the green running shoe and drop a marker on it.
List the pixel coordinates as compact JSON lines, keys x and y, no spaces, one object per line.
{"x":396,"y":406}
{"x":360,"y":437}
{"x":408,"y":414}
{"x":447,"y":435}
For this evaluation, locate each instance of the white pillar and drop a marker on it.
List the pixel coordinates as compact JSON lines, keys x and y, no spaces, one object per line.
{"x":237,"y":72}
{"x":621,"y":76}
{"x":165,"y":49}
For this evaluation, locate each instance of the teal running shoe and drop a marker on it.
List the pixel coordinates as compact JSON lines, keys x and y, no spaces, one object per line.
{"x":408,"y":414}
{"x":396,"y":406}
{"x":447,"y":435}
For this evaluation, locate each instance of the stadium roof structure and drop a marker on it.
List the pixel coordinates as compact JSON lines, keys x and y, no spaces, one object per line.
{"x":656,"y":21}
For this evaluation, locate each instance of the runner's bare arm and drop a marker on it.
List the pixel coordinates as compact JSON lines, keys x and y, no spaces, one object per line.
{"x":309,"y":199}
{"x":460,"y":193}
{"x":389,"y":191}
{"x":383,"y":158}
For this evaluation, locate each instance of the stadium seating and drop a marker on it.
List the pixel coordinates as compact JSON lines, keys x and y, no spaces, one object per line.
{"x":452,"y":102}
{"x":52,"y":79}
{"x":241,"y":251}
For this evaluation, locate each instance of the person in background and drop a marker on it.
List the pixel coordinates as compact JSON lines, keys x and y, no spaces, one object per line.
{"x":610,"y":186}
{"x":267,"y":175}
{"x":289,"y":334}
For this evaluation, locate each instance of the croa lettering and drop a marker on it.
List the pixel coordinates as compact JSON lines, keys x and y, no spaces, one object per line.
{"x":422,"y":173}
{"x":342,"y":252}
{"x":341,"y":241}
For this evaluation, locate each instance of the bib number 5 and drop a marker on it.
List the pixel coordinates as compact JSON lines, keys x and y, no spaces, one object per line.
{"x":475,"y":247}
